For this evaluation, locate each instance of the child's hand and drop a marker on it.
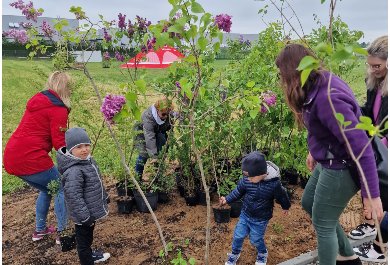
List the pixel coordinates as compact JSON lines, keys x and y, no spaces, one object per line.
{"x":222,"y":200}
{"x":285,"y":212}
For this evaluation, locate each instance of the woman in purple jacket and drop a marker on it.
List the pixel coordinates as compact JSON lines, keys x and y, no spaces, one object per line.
{"x":331,"y":185}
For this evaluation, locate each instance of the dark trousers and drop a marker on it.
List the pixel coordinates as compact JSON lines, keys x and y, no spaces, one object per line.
{"x":161,"y":139}
{"x":84,"y":238}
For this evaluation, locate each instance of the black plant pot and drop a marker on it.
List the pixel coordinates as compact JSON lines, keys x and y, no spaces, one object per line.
{"x":181,"y":190}
{"x":120,"y":189}
{"x":201,"y":197}
{"x":125,"y":206}
{"x":303,"y":182}
{"x":68,"y":242}
{"x":152,"y":198}
{"x":221,"y":215}
{"x":235,"y":210}
{"x":293,"y":178}
{"x":163,"y":197}
{"x":191,"y":200}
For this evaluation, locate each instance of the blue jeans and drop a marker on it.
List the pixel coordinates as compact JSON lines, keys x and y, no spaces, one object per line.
{"x":326,"y":195}
{"x":161,"y":139}
{"x":256,"y":230}
{"x":40,"y":182}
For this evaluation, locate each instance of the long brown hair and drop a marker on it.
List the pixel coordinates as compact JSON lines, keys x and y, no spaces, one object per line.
{"x":378,"y":48}
{"x":287,"y":62}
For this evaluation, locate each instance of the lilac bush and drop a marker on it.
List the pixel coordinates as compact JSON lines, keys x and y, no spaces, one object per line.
{"x":112,"y":104}
{"x":19,"y":36}
{"x":27,"y":9}
{"x":119,"y":56}
{"x":121,"y":21}
{"x":107,"y":37}
{"x":47,"y":30}
{"x":223,"y":22}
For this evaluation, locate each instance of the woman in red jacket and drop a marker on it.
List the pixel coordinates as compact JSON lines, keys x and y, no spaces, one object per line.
{"x":26,"y":154}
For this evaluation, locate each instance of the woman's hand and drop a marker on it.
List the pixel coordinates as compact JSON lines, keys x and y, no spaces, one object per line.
{"x":310,"y":162}
{"x":222,"y":200}
{"x":370,"y":210}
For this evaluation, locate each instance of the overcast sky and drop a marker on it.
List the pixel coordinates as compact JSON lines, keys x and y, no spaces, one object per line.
{"x":371,"y":17}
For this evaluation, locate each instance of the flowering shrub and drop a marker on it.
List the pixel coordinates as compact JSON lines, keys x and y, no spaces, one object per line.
{"x":28,"y":10}
{"x":112,"y":104}
{"x":106,"y":60}
{"x":269,"y":100}
{"x":47,"y":30}
{"x":223,"y":22}
{"x":19,"y":36}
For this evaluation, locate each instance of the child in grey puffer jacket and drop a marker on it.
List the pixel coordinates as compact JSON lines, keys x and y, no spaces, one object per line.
{"x":85,"y":196}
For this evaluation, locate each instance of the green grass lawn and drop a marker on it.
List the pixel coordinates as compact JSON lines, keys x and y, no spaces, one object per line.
{"x":22,"y":79}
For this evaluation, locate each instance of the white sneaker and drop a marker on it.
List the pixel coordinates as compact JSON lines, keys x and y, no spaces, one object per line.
{"x":362,"y":231}
{"x":367,"y":252}
{"x":99,"y":256}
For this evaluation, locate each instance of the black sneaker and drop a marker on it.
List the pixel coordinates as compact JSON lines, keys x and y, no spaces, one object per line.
{"x":362,"y":231}
{"x":356,"y":261}
{"x":99,"y":256}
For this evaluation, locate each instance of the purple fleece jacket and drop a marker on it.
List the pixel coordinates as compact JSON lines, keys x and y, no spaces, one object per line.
{"x":324,"y":134}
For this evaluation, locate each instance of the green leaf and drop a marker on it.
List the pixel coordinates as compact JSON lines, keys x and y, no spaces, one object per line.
{"x":253,"y":113}
{"x":340,"y":117}
{"x":307,"y":62}
{"x":324,"y":47}
{"x":172,"y":2}
{"x":217,"y":47}
{"x":141,"y":84}
{"x":131,"y":96}
{"x":347,"y":123}
{"x":196,"y":8}
{"x":360,"y":50}
{"x":202,"y":42}
{"x":365,"y":120}
{"x":202,"y":91}
{"x":250,"y":84}
{"x":342,"y":54}
{"x":176,"y":28}
{"x":192,"y":31}
{"x":191,"y":261}
{"x":323,"y":1}
{"x":304,"y":76}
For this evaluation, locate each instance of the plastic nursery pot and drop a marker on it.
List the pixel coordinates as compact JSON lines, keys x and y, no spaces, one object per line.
{"x":221,"y":214}
{"x":68,"y":242}
{"x":163,"y":197}
{"x":125,"y":205}
{"x":151,"y":197}
{"x":201,"y":197}
{"x":121,"y":191}
{"x":235,"y":210}
{"x":303,"y":182}
{"x":191,"y":200}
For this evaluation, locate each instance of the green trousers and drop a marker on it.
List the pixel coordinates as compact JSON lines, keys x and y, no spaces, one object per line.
{"x":327,"y":193}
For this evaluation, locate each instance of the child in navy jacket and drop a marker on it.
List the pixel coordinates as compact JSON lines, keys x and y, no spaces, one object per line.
{"x":259,"y":188}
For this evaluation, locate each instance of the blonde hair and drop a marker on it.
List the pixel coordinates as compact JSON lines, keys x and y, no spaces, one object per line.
{"x":60,"y":83}
{"x":164,"y":105}
{"x":378,"y":48}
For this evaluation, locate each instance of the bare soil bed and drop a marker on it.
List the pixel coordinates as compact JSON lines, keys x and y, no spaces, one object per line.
{"x":133,"y":238}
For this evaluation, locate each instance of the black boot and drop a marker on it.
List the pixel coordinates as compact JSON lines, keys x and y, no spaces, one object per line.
{"x":356,"y":261}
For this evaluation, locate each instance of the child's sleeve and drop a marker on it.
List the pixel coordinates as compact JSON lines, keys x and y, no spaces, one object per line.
{"x":281,"y":196}
{"x":237,"y":193}
{"x":73,"y":190}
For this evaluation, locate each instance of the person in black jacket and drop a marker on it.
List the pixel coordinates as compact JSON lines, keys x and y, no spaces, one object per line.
{"x":376,"y":108}
{"x":85,"y":196}
{"x":259,"y":188}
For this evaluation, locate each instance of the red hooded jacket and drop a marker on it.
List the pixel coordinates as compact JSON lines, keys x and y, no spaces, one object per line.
{"x":42,"y":127}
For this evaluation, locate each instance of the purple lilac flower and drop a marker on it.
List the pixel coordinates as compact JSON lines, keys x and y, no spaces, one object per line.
{"x":47,"y":30}
{"x":106,"y":56}
{"x":121,"y":21}
{"x":241,"y":39}
{"x":150,"y":43}
{"x":19,"y":36}
{"x":119,"y":56}
{"x":178,"y":84}
{"x":130,"y":29}
{"x":106,"y":36}
{"x":268,"y":98}
{"x":223,"y":22}
{"x":112,"y":104}
{"x":177,"y":15}
{"x":27,"y":9}
{"x":143,"y":24}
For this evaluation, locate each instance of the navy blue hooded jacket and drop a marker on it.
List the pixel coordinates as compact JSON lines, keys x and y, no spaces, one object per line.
{"x":258,"y":198}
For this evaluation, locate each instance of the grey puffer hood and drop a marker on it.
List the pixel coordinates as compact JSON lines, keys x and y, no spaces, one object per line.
{"x":85,"y":195}
{"x":272,"y":171}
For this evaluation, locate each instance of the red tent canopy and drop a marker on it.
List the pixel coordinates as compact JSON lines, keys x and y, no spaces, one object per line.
{"x":162,"y":58}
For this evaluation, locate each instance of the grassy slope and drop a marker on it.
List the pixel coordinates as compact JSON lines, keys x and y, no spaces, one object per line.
{"x":22,"y":79}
